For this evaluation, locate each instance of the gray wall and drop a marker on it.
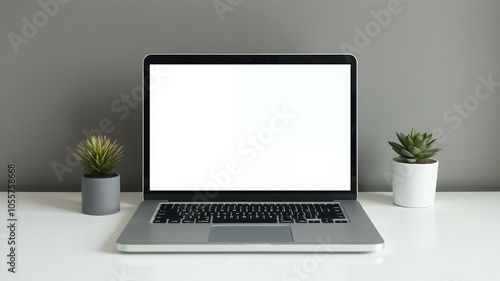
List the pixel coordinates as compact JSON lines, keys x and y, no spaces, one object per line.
{"x":419,"y":69}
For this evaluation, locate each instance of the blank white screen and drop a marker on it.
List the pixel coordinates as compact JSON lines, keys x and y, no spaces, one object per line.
{"x":250,"y":127}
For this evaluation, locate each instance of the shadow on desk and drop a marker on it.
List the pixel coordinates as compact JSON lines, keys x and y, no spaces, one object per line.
{"x":69,"y":204}
{"x":382,"y":198}
{"x":110,"y":244}
{"x":67,"y":201}
{"x":72,"y":201}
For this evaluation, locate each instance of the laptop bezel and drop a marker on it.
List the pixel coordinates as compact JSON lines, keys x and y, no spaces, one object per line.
{"x":248,"y":196}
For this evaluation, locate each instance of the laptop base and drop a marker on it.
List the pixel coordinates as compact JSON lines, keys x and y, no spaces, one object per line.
{"x":140,"y":235}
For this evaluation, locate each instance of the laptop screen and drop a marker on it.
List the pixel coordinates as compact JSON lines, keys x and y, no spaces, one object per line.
{"x":250,"y":127}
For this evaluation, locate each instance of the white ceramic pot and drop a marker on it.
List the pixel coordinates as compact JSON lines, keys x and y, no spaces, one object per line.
{"x":100,"y":196}
{"x":414,"y":185}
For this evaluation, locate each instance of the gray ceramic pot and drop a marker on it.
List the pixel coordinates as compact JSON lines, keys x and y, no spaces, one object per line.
{"x":100,"y":196}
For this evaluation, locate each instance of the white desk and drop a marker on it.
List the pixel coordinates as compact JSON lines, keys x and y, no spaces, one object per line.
{"x":457,"y":239}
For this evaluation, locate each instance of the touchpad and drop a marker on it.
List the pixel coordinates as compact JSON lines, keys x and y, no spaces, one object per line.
{"x":250,"y":234}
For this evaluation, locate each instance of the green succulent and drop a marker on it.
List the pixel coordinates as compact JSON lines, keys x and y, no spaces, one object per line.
{"x":415,"y":147}
{"x":99,"y":156}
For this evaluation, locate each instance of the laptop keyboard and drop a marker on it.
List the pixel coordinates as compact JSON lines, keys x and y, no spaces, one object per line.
{"x":249,"y":213}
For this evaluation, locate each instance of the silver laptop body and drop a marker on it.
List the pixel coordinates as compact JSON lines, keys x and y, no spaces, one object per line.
{"x":236,"y":137}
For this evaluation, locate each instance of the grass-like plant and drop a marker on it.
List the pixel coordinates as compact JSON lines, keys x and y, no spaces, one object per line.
{"x":99,"y":156}
{"x":415,"y":147}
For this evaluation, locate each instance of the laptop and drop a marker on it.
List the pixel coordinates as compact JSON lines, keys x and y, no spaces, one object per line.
{"x":250,"y":153}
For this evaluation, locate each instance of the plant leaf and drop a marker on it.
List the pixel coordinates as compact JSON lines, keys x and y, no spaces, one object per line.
{"x":408,"y":141}
{"x":99,"y":155}
{"x":418,"y":139}
{"x":431,"y":143}
{"x":414,"y":150}
{"x":422,"y":146}
{"x":396,"y":146}
{"x":434,"y":150}
{"x":406,"y":153}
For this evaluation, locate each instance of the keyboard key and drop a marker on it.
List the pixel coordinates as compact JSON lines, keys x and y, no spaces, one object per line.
{"x":308,"y":215}
{"x":222,"y":220}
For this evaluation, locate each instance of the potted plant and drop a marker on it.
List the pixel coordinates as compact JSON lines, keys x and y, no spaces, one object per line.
{"x":414,"y":172}
{"x":100,"y":184}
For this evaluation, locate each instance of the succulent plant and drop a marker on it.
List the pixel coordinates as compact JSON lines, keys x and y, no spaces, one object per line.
{"x":415,"y":147}
{"x":99,"y":156}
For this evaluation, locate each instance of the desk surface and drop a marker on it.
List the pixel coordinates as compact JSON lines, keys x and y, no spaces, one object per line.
{"x":457,"y":239}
